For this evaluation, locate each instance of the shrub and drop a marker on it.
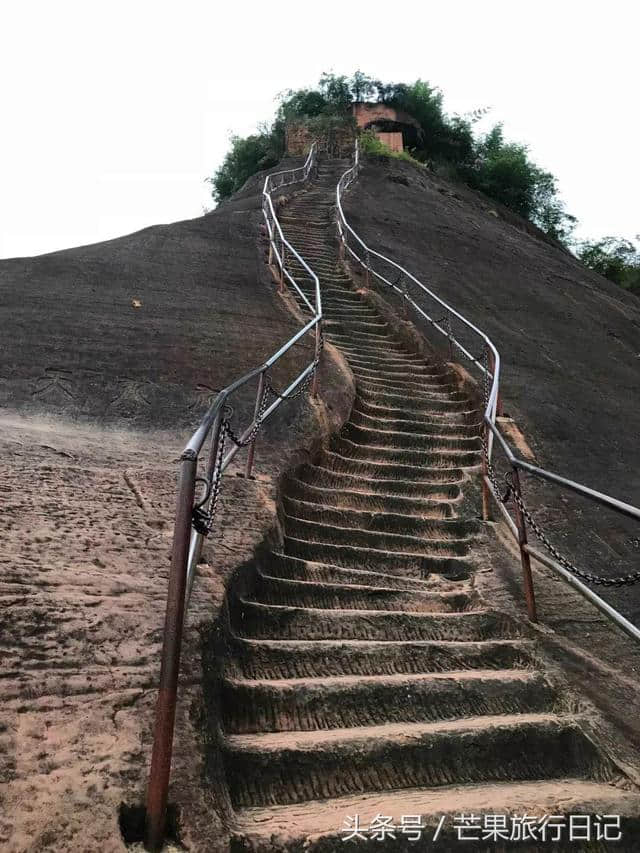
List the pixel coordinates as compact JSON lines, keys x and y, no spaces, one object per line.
{"x":615,"y":258}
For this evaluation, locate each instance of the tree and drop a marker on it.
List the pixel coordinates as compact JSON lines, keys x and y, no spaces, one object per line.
{"x":246,"y":157}
{"x":502,"y":170}
{"x":615,"y":258}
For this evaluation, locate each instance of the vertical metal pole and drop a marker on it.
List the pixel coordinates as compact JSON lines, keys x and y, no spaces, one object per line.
{"x":492,"y":368}
{"x":256,"y":412}
{"x":486,"y":514}
{"x":158,"y":789}
{"x":314,"y":385}
{"x":282,"y":260}
{"x":524,"y":556}
{"x":367,"y":271}
{"x":449,"y":337}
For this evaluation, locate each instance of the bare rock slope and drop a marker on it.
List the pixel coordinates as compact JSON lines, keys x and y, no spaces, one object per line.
{"x":569,"y":340}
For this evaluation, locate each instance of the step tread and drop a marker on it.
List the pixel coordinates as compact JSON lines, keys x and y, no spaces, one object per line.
{"x":325,"y":820}
{"x":466,"y":675}
{"x":397,"y":732}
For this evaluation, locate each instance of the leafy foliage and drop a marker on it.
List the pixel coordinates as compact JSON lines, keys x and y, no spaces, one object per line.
{"x":372,"y":144}
{"x":500,"y":169}
{"x":615,"y":258}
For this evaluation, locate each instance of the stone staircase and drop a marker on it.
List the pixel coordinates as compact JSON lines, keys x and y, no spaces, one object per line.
{"x":365,"y":675}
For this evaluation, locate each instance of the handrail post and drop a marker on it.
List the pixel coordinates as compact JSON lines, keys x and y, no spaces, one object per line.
{"x":492,"y":368}
{"x":367,"y":270}
{"x":486,"y":512}
{"x":314,"y":384}
{"x":282,"y":260}
{"x":158,"y":788}
{"x":524,"y":554}
{"x":256,"y":412}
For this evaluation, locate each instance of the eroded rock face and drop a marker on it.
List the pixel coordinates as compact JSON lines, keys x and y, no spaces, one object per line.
{"x":144,"y":329}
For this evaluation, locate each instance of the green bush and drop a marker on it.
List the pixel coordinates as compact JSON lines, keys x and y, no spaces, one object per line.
{"x":502,"y":170}
{"x":615,"y":258}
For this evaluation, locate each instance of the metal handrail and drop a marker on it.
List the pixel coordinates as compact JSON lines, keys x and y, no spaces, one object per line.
{"x":492,"y":404}
{"x":187,"y":541}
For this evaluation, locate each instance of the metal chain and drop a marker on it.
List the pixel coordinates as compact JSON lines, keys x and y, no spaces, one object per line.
{"x":621,"y":580}
{"x":600,"y":580}
{"x":304,"y":385}
{"x":201,"y":518}
{"x":255,"y":429}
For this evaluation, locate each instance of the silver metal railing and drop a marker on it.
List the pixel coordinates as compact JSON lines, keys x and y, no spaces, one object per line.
{"x":194,"y":520}
{"x":466,"y":339}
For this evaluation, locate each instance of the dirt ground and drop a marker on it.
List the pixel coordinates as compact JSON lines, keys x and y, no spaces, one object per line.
{"x":86,"y":532}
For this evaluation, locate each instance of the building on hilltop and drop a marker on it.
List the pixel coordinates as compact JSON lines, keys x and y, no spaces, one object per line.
{"x":336,"y":135}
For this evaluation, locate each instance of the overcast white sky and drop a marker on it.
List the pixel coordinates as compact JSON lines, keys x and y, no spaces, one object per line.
{"x":113,"y":113}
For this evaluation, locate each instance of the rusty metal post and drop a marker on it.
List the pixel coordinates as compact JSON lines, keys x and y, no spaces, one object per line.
{"x":270,"y":251}
{"x":449,"y":337}
{"x":367,"y":270}
{"x":486,"y":513}
{"x":256,"y":411}
{"x":158,"y":789}
{"x":524,"y":555}
{"x":282,"y":261}
{"x":492,"y":368}
{"x":314,"y":385}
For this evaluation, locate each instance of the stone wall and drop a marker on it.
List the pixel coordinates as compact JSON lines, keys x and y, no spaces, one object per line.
{"x":393,"y":140}
{"x":337,"y":141}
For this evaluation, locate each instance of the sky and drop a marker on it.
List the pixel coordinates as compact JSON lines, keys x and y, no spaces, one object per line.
{"x":114,"y":113}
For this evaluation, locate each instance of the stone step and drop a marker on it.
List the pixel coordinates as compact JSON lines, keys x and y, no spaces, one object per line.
{"x":410,"y":440}
{"x":352,"y":499}
{"x":276,"y":659}
{"x":434,"y":458}
{"x":384,"y":520}
{"x":292,"y":767}
{"x":281,"y":565}
{"x":256,"y":620}
{"x":350,"y":701}
{"x":331,"y":596}
{"x":408,"y":565}
{"x":323,"y":825}
{"x":317,"y":532}
{"x":444,"y":427}
{"x":440,"y":486}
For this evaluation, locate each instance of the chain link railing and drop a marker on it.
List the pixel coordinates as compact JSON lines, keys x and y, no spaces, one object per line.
{"x":453,"y":326}
{"x":195,"y":517}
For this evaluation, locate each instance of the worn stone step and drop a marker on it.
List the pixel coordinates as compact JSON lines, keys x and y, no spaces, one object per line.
{"x":409,"y":565}
{"x":439,"y":487}
{"x":252,"y":658}
{"x":434,"y":458}
{"x":389,"y":470}
{"x":270,"y":621}
{"x":464,"y":413}
{"x":323,"y":825}
{"x":330,"y":596}
{"x":318,"y":532}
{"x":292,"y":767}
{"x":399,"y":439}
{"x":352,"y":499}
{"x":282,"y":565}
{"x":383,"y":520}
{"x":444,"y":427}
{"x":349,"y":701}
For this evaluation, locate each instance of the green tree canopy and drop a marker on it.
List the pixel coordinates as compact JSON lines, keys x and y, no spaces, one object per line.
{"x":500,"y":169}
{"x":615,"y":258}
